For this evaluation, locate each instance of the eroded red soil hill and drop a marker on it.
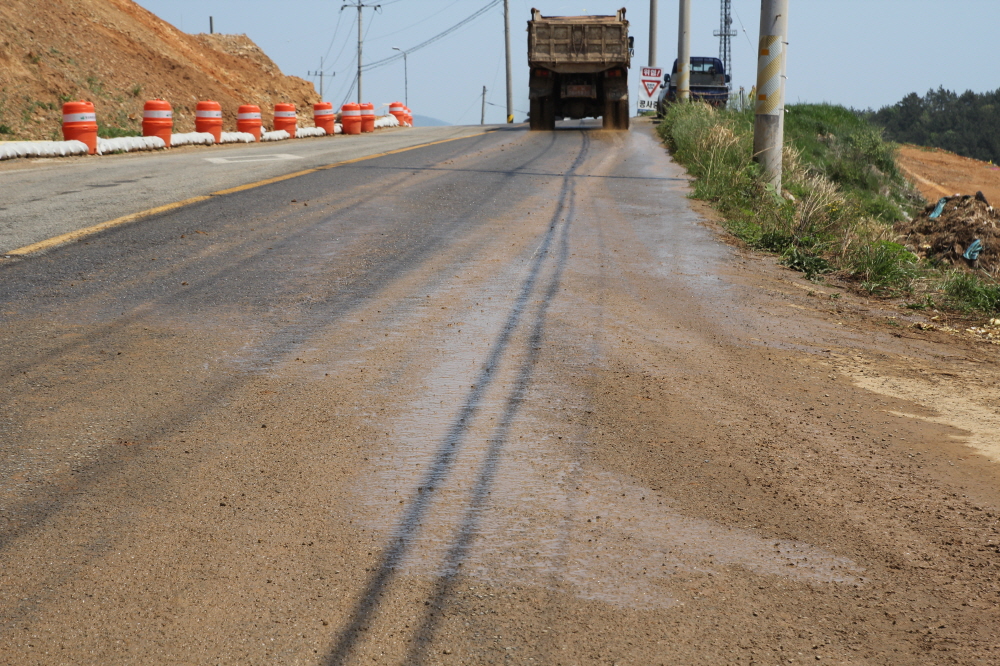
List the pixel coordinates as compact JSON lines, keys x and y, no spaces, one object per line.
{"x":118,"y":55}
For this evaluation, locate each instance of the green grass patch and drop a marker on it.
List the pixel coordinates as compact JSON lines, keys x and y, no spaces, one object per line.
{"x":969,"y":292}
{"x":843,"y":191}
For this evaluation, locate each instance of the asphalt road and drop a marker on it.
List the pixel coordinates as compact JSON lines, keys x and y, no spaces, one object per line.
{"x":505,"y":399}
{"x":43,"y":198}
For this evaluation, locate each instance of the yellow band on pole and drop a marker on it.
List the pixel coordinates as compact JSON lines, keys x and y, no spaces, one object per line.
{"x":769,"y":61}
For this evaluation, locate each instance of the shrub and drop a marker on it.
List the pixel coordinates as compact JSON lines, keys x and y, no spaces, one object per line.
{"x":969,"y":292}
{"x":882,"y":266}
{"x":845,"y":189}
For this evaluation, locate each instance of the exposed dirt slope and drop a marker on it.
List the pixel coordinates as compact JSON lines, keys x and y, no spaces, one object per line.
{"x":938,"y":173}
{"x":118,"y":55}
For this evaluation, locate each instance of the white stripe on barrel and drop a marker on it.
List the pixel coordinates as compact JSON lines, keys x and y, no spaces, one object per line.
{"x":248,"y":116}
{"x":157,"y":114}
{"x":79,"y":117}
{"x":352,"y":112}
{"x":323,"y":112}
{"x":205,"y":113}
{"x":284,"y":114}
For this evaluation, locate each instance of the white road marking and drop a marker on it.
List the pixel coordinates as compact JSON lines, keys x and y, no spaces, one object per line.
{"x":274,"y":157}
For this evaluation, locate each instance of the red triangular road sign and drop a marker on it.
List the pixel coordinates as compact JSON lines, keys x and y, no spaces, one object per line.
{"x":651,"y":86}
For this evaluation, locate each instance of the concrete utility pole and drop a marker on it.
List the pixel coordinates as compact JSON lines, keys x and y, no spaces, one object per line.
{"x":652,"y":33}
{"x":211,"y":25}
{"x":510,"y":82}
{"x":482,"y":116}
{"x":684,"y":52}
{"x":769,"y":104}
{"x":360,"y":6}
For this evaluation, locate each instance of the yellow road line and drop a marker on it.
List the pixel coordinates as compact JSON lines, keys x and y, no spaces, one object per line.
{"x":64,"y":239}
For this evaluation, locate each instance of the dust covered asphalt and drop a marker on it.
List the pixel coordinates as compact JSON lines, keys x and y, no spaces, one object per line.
{"x":507,"y":399}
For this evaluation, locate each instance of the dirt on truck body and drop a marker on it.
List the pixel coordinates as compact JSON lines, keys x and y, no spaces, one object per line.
{"x":579,"y":69}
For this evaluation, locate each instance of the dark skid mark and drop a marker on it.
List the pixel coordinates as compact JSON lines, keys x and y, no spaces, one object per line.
{"x":449,"y":447}
{"x":51,"y":499}
{"x":466,"y":534}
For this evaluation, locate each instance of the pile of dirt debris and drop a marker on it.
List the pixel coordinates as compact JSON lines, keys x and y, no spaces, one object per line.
{"x":948,"y":231}
{"x":118,"y":55}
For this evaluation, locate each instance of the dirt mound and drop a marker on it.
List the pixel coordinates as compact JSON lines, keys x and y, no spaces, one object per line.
{"x":938,"y":173}
{"x":962,"y":221}
{"x":118,"y":55}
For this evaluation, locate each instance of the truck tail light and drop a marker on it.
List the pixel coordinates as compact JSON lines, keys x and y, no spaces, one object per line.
{"x":542,"y":72}
{"x":613,"y":72}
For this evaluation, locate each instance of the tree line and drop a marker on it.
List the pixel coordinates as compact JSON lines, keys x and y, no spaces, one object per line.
{"x":966,"y":124}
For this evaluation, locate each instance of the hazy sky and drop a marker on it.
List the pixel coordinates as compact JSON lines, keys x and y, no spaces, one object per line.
{"x":860,"y":53}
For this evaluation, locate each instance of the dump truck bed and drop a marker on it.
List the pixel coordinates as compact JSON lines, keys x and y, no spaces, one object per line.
{"x":577,"y":44}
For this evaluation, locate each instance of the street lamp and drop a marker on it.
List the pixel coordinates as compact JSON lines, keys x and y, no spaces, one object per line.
{"x":406,"y":82}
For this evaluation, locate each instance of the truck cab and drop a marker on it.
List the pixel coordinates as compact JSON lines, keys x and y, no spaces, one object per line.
{"x":709,"y":83}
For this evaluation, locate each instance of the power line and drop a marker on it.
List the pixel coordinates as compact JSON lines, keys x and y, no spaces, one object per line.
{"x":503,"y":106}
{"x":428,"y":42}
{"x":412,"y":25}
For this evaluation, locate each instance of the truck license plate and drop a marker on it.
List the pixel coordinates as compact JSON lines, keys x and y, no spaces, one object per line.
{"x":579,"y":91}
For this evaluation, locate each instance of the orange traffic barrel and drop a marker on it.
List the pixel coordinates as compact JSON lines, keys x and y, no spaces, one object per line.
{"x":350,"y":118}
{"x":367,"y":117}
{"x":285,"y":118}
{"x":323,"y":116}
{"x":396,"y":110}
{"x":248,"y":120}
{"x":408,"y":116}
{"x":80,"y":123}
{"x":158,"y":120}
{"x":208,"y":118}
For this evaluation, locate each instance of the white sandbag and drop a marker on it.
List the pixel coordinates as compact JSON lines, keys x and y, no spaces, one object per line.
{"x":305,"y":132}
{"x":192,"y":138}
{"x":276,"y":135}
{"x":128,"y":144}
{"x":386,"y":121}
{"x":12,"y":149}
{"x":237,"y":137}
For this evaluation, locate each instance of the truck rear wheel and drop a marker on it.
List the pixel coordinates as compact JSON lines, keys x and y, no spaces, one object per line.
{"x":622,"y":114}
{"x":535,"y":115}
{"x":541,"y":114}
{"x":549,"y":114}
{"x":609,"y":120}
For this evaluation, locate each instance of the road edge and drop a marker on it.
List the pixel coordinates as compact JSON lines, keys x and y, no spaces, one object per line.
{"x":42,"y":246}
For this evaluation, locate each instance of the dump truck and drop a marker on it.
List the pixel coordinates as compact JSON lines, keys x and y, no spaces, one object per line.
{"x":579,"y":69}
{"x":709,"y":83}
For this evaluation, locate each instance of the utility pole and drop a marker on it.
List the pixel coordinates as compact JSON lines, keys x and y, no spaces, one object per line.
{"x":360,"y":6}
{"x":652,"y":33}
{"x":769,"y":102}
{"x":684,"y":52}
{"x":406,"y":77}
{"x":211,"y":25}
{"x":510,"y":82}
{"x":482,"y":116}
{"x":320,"y":75}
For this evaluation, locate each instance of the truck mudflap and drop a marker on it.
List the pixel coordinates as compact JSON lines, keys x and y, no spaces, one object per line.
{"x":540,"y":86}
{"x":616,"y":89}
